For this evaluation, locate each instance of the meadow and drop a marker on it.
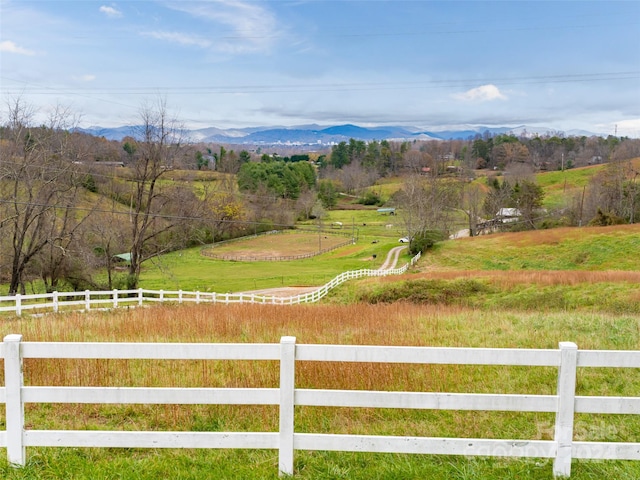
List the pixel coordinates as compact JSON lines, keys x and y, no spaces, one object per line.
{"x":453,"y":298}
{"x":398,"y":323}
{"x":191,"y":270}
{"x":515,"y":290}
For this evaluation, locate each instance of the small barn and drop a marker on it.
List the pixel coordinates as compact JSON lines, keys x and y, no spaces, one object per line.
{"x":508,"y":215}
{"x":389,"y":211}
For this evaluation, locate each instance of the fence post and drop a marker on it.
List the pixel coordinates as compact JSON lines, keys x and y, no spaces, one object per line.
{"x":87,"y":300}
{"x":115,"y":298}
{"x":197,"y":297}
{"x":16,"y":452}
{"x":18,"y":304}
{"x":287,"y":386}
{"x":566,"y":402}
{"x":179,"y":296}
{"x":56,"y":306}
{"x":140,"y":297}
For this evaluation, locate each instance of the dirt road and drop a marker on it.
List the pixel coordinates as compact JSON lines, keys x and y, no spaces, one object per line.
{"x":390,"y":262}
{"x":392,"y":258}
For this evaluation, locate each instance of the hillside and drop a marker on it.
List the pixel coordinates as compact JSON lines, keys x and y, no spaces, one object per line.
{"x":587,"y":248}
{"x":588,"y":269}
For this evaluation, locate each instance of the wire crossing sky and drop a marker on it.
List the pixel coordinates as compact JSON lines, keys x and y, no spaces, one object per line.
{"x":568,"y":66}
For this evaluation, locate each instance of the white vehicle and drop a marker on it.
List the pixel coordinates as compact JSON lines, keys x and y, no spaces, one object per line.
{"x":404,"y":240}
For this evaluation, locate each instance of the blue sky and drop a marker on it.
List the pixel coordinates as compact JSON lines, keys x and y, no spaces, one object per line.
{"x":225,"y":63}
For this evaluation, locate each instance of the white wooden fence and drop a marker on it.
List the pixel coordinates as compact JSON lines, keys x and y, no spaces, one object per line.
{"x":565,"y":404}
{"x":115,"y":298}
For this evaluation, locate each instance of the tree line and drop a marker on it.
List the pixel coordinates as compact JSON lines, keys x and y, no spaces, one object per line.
{"x":73,"y":206}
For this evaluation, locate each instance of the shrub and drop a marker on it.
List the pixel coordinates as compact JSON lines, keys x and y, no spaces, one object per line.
{"x":425,"y":240}
{"x":605,"y":219}
{"x":370,"y":198}
{"x":447,"y":292}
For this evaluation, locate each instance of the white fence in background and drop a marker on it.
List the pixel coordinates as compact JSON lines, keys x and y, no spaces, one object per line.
{"x":565,"y":404}
{"x":88,"y":300}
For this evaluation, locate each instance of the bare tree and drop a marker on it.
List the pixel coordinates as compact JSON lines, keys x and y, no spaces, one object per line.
{"x":40,"y":189}
{"x":472,"y":198}
{"x":612,"y":191}
{"x":518,"y":172}
{"x":427,"y":203}
{"x":106,"y":236}
{"x":305,"y":203}
{"x":157,"y":148}
{"x":355,"y":177}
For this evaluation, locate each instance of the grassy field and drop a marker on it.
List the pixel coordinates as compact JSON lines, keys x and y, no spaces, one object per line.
{"x":517,"y":290}
{"x":285,"y":245}
{"x":561,"y":186}
{"x":568,"y":269}
{"x":367,"y":224}
{"x":592,"y":248}
{"x":399,"y":323}
{"x":191,"y":270}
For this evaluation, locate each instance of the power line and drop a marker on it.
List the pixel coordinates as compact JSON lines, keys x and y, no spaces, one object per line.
{"x":161,"y":216}
{"x":325,"y":87}
{"x":46,"y":168}
{"x":129,"y":213}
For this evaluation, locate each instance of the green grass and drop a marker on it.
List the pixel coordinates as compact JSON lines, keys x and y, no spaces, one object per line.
{"x":560,"y":187}
{"x":369,"y":224}
{"x":189,"y":270}
{"x":361,"y":324}
{"x":595,"y":248}
{"x":493,"y":295}
{"x":91,"y":464}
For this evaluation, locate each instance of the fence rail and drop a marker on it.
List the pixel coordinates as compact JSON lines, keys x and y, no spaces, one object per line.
{"x":88,"y":300}
{"x":275,"y":258}
{"x":565,"y":404}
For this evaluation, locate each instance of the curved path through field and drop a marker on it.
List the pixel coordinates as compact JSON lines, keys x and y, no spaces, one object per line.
{"x":392,"y":258}
{"x":390,"y":262}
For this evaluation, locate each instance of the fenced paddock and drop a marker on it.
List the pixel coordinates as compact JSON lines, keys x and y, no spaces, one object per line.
{"x":565,"y":404}
{"x":88,"y":300}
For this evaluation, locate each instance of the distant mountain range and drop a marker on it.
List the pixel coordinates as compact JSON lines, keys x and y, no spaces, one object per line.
{"x":318,"y":135}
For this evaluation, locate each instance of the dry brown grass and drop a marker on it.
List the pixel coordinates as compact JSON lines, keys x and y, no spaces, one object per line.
{"x":277,"y":245}
{"x":536,"y":277}
{"x":394,"y":324}
{"x":555,"y":236}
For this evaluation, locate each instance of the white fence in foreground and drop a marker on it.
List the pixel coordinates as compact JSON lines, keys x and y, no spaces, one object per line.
{"x":88,"y":300}
{"x":565,"y":404}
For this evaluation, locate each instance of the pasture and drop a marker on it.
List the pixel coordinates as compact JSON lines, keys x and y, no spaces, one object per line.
{"x":398,"y":323}
{"x":283,"y":245}
{"x":519,"y":290}
{"x":190,"y":270}
{"x":568,"y":269}
{"x":587,"y":248}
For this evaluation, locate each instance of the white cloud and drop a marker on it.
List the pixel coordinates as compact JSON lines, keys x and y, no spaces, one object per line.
{"x":250,"y":26}
{"x":11,"y":47}
{"x":484,"y":93}
{"x":110,"y":12}
{"x":180,"y":38}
